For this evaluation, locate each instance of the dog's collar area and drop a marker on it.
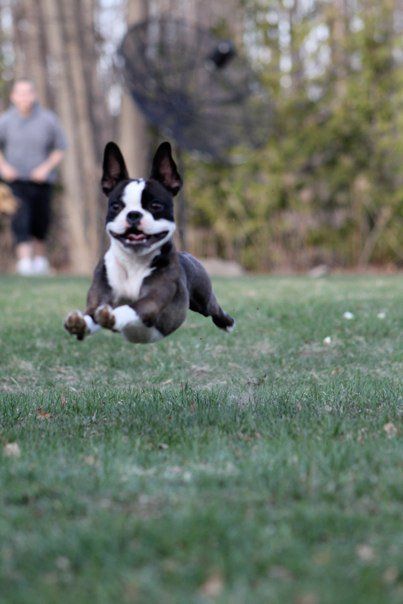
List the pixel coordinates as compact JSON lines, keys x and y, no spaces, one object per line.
{"x":162,"y":258}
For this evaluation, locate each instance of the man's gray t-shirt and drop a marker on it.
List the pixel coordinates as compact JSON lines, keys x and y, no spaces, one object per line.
{"x":26,"y":142}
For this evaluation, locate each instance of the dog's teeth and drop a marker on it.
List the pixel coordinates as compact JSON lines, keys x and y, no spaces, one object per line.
{"x":136,"y":236}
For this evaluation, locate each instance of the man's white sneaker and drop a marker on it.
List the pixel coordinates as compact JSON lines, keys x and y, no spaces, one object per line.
{"x":40,"y":266}
{"x":25,"y":267}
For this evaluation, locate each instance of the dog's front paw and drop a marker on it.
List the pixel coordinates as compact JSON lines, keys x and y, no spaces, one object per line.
{"x":76,"y":325}
{"x":105,"y":317}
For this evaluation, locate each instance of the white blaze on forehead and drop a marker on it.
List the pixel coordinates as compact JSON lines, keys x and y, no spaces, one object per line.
{"x":132,"y":196}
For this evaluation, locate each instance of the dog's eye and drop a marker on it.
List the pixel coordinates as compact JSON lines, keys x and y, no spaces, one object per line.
{"x":156,"y":206}
{"x":116,"y":206}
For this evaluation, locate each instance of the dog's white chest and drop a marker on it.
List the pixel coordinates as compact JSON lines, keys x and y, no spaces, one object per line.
{"x":124,"y":277}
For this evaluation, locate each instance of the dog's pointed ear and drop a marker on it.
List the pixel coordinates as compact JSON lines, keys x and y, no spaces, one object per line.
{"x":114,"y":168}
{"x":164,"y":169}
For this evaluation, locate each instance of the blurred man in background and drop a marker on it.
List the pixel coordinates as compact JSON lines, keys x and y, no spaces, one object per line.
{"x":32,"y":144}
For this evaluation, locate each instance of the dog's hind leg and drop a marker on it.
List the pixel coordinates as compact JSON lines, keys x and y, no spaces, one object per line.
{"x":220,"y":318}
{"x":201,"y":296}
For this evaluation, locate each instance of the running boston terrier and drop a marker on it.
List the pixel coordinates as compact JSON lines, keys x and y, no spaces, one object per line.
{"x":142,"y":287}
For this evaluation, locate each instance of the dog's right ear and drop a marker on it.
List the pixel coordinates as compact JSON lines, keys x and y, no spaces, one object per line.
{"x":114,"y":168}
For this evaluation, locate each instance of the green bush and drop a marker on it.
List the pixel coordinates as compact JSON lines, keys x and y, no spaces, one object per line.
{"x":328,"y":185}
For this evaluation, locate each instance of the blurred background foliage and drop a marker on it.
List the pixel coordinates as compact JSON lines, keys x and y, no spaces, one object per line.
{"x":326,"y":188}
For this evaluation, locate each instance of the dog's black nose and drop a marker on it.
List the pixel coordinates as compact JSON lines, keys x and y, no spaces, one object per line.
{"x":134,"y":217}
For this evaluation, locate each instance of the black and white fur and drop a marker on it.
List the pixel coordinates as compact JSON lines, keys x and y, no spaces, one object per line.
{"x":142,"y":287}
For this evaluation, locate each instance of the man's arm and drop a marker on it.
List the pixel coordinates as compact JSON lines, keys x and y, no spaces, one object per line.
{"x":41,"y":172}
{"x":7,"y":171}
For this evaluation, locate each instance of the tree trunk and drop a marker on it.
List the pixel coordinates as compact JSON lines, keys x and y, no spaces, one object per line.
{"x":35,"y":50}
{"x":81,"y":253}
{"x":90,"y":50}
{"x":85,"y":139}
{"x":295,"y":50}
{"x":19,"y":39}
{"x":133,"y":137}
{"x":223,"y":16}
{"x":339,"y":17}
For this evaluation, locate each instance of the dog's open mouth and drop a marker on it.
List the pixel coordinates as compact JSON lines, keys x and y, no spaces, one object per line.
{"x":132,"y":237}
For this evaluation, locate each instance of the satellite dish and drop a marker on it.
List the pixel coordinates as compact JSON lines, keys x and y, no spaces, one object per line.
{"x":194,"y":87}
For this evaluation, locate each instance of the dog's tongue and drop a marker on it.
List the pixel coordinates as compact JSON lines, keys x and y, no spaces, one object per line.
{"x":136,"y":236}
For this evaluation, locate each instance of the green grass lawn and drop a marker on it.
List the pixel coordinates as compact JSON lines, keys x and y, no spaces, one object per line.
{"x":264,"y":466}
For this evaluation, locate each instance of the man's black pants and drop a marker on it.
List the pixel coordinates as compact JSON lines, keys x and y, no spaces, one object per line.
{"x":32,"y":218}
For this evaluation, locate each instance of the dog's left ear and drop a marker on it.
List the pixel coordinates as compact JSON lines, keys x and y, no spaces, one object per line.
{"x":164,"y":169}
{"x":114,"y":168}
